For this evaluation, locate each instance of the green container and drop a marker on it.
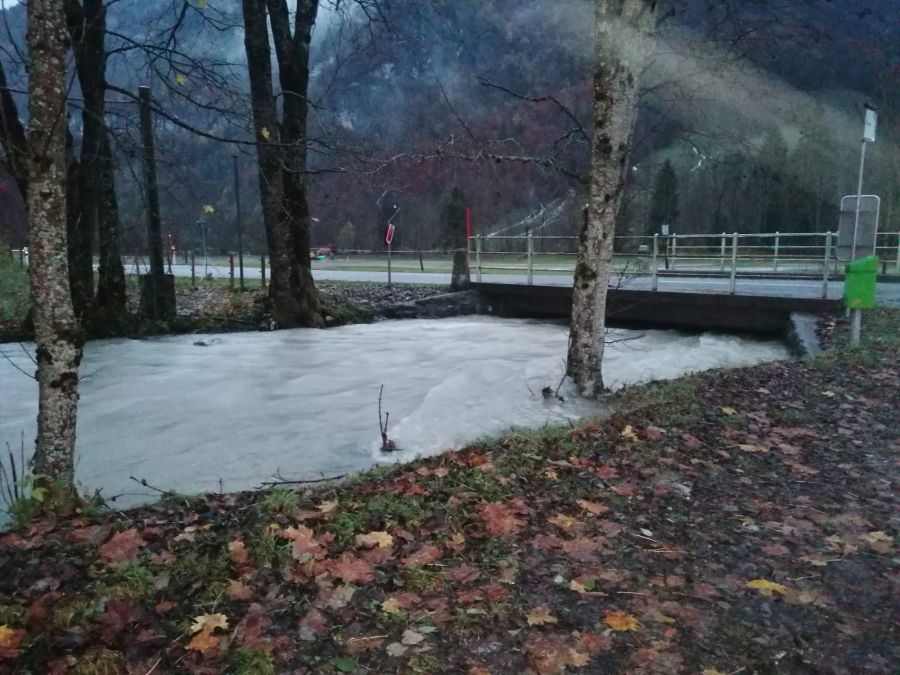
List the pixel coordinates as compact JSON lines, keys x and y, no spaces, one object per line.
{"x":859,"y":283}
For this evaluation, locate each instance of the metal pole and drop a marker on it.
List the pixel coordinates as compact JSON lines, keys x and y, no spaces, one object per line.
{"x":734,"y":246}
{"x":478,"y":257}
{"x":530,"y":259}
{"x":655,"y":283}
{"x":855,"y":327}
{"x":722,"y":255}
{"x":826,"y":265}
{"x":777,"y":244}
{"x":674,"y":249}
{"x":898,"y":253}
{"x":205,"y":252}
{"x":389,"y":264}
{"x":237,"y":219}
{"x":859,"y":188}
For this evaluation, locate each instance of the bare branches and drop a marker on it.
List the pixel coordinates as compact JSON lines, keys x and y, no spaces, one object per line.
{"x":387,"y":445}
{"x":564,"y":109}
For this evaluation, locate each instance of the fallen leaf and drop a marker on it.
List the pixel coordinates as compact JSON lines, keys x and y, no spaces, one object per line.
{"x":621,"y":621}
{"x":238,"y":590}
{"x":411,"y":637}
{"x":766,"y":587}
{"x":628,"y":433}
{"x":209,"y":622}
{"x":327,"y":507}
{"x":426,"y":555}
{"x":204,"y":642}
{"x":350,"y":569}
{"x":238,"y":552}
{"x":728,"y":411}
{"x":10,"y":639}
{"x":312,"y":625}
{"x":879,"y":541}
{"x":379,"y":539}
{"x":396,"y":649}
{"x":500,"y":519}
{"x":596,"y":508}
{"x":122,"y":546}
{"x":345,"y":664}
{"x":540,"y":616}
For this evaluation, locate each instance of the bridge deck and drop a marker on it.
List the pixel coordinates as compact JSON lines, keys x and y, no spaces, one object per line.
{"x":626,"y":306}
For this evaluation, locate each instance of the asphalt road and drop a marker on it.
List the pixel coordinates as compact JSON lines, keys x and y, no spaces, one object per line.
{"x":888,"y":293}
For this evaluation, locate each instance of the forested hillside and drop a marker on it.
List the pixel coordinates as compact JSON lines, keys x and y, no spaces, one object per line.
{"x":493,"y":98}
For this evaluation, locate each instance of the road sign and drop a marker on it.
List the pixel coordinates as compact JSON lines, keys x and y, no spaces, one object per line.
{"x":870,"y":124}
{"x":389,"y":235}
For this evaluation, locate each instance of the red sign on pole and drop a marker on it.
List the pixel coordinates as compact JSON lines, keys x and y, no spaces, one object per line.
{"x":389,"y":235}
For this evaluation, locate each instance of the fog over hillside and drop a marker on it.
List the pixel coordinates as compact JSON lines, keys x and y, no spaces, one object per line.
{"x":746,"y":106}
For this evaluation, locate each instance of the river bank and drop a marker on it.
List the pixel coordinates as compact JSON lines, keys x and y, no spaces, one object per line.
{"x":212,"y":306}
{"x":732,"y":521}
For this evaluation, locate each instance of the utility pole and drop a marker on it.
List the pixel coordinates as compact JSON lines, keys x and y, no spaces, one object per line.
{"x":237,"y":217}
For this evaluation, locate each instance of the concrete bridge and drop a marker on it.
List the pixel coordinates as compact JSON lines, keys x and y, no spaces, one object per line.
{"x":674,"y":309}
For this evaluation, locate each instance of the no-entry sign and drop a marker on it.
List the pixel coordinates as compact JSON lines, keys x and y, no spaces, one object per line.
{"x":389,"y":235}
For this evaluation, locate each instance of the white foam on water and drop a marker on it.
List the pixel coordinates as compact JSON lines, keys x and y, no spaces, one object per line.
{"x":184,"y":416}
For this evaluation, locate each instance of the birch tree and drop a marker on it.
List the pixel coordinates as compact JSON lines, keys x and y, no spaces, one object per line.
{"x":57,"y":331}
{"x":623,"y":31}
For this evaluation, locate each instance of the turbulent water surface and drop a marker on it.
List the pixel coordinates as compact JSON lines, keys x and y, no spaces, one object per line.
{"x":185,"y":416}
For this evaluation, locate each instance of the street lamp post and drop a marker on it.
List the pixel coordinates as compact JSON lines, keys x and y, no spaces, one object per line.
{"x":237,"y":217}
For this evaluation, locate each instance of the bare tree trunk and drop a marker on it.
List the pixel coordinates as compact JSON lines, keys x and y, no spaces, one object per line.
{"x":12,"y":136}
{"x":281,"y":151}
{"x":87,"y":29}
{"x":78,"y":235}
{"x":57,"y":332}
{"x":623,"y":27}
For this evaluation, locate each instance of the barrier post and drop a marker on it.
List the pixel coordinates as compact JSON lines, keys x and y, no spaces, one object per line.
{"x":655,"y":282}
{"x":722,"y":254}
{"x":530,"y":259}
{"x":826,"y":265}
{"x":777,"y":246}
{"x":674,"y":249}
{"x":734,"y":247}
{"x":478,"y":257}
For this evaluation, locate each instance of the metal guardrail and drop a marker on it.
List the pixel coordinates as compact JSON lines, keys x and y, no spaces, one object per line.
{"x":735,"y":255}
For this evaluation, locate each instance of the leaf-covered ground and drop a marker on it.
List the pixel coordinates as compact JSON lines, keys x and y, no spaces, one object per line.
{"x":740,"y":521}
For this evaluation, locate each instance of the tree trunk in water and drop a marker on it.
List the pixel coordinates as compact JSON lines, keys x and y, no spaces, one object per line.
{"x":87,"y":30}
{"x":281,"y":152}
{"x":623,"y":28}
{"x":57,"y":331}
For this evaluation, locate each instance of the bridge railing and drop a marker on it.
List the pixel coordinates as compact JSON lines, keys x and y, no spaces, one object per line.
{"x":733,"y":255}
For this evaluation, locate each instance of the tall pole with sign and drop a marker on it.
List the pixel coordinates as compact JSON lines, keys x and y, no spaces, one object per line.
{"x":869,"y":125}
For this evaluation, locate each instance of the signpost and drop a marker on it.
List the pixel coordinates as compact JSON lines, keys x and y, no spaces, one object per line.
{"x":388,"y":207}
{"x":869,"y":124}
{"x":389,"y":239}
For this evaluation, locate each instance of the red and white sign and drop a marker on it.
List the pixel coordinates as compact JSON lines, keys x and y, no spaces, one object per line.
{"x":389,"y":235}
